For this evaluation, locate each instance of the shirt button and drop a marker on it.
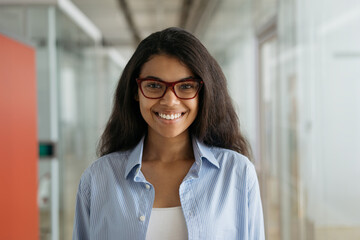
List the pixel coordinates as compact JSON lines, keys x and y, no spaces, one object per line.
{"x":142,"y":218}
{"x":147,"y":186}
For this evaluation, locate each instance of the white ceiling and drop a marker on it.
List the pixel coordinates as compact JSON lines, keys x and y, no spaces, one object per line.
{"x":147,"y":15}
{"x":123,"y":23}
{"x":216,"y":20}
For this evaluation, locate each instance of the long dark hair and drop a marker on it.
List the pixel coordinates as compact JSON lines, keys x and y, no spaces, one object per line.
{"x":216,"y":123}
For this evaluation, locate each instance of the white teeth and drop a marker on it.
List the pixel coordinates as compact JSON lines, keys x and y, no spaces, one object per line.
{"x":168,"y":117}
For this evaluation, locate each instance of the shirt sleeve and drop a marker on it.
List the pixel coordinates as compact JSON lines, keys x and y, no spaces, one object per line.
{"x":82,"y":210}
{"x":255,"y":217}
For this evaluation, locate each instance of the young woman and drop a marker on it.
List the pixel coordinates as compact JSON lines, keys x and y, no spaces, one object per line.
{"x":173,"y":161}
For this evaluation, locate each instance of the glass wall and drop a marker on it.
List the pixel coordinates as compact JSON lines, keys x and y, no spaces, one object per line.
{"x":292,"y":68}
{"x":329,"y":66}
{"x":75,"y":78}
{"x":86,"y":83}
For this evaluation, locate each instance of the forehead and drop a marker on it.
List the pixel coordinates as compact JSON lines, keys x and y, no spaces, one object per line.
{"x":165,"y":67}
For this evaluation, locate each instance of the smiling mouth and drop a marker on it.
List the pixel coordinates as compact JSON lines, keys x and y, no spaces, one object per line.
{"x":169,"y":116}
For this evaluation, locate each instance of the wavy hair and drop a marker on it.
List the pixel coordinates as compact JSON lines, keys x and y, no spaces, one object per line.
{"x":216,"y":123}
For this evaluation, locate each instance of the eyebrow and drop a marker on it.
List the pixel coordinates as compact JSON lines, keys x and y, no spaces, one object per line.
{"x":157,"y":78}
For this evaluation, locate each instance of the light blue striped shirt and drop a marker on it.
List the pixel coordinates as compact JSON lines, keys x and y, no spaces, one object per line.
{"x":219,"y":197}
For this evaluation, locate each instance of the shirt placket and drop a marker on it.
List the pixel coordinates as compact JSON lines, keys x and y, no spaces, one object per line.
{"x":146,"y":200}
{"x":189,"y":208}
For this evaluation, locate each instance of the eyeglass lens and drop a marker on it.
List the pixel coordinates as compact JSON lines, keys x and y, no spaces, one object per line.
{"x":155,"y":89}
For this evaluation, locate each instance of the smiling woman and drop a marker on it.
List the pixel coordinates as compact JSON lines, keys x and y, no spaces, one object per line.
{"x":173,"y":161}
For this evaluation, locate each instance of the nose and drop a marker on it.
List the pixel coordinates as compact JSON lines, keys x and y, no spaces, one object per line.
{"x":170,"y":98}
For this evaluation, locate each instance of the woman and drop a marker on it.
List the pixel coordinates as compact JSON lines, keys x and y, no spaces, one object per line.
{"x":173,"y":161}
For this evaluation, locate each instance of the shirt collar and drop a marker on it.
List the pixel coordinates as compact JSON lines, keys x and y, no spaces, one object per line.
{"x":135,"y":157}
{"x":201,"y":152}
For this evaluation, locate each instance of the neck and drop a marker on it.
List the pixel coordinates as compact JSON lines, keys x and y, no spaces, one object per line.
{"x":158,"y":148}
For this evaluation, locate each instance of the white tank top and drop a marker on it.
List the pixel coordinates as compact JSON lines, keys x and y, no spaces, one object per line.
{"x":167,"y":223}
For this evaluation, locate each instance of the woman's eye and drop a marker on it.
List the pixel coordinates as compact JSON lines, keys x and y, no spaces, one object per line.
{"x":153,"y":85}
{"x":186,"y":86}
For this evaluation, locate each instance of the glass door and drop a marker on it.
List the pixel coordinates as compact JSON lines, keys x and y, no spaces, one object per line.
{"x":269,"y":173}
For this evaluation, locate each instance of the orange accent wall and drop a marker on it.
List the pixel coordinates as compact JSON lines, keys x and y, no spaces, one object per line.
{"x":18,"y":142}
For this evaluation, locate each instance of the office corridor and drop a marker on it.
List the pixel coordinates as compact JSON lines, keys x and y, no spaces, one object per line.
{"x":292,"y":67}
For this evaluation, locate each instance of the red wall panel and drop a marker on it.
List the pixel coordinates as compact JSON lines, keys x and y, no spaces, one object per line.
{"x":18,"y":142}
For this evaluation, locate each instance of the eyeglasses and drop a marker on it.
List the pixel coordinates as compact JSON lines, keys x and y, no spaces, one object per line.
{"x":155,"y":88}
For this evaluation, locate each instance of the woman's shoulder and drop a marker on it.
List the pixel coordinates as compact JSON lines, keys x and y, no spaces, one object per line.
{"x":230,"y":158}
{"x":236,"y":164}
{"x":107,"y":164}
{"x":220,"y":154}
{"x":229,"y":155}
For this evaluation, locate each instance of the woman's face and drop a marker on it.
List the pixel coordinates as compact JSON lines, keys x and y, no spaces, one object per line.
{"x":156,"y":112}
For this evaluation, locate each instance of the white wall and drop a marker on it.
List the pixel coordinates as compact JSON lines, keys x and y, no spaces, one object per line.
{"x":331,"y":32}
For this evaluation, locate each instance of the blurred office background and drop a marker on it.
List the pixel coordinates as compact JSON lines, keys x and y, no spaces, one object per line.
{"x":293,"y":70}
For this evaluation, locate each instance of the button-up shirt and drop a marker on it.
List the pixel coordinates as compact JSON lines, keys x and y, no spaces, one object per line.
{"x":219,"y":196}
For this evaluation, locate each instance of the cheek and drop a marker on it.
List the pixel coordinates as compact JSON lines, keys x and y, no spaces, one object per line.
{"x":145,"y":107}
{"x":196,"y":103}
{"x":142,"y":106}
{"x":194,"y":106}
